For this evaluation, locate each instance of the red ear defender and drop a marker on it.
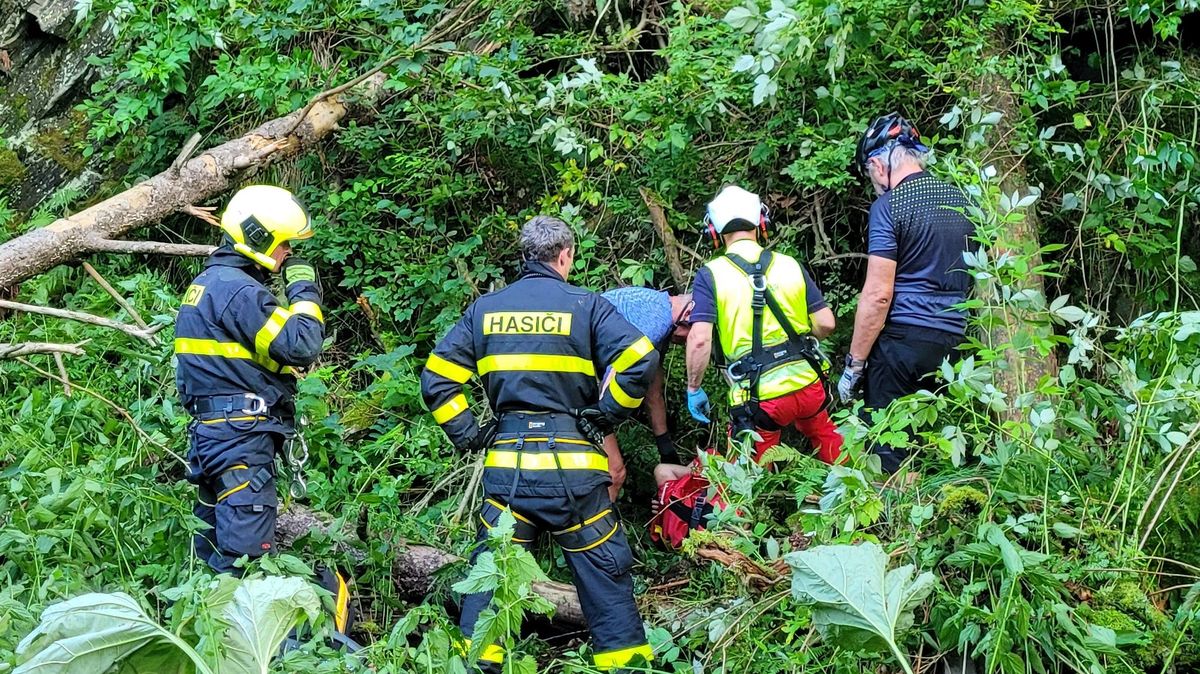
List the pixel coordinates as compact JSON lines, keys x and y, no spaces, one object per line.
{"x":712,"y":232}
{"x":764,"y":218}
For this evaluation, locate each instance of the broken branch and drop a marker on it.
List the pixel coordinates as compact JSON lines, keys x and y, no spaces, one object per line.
{"x":30,"y":348}
{"x":146,"y":334}
{"x":150,"y":248}
{"x":670,"y":245}
{"x":137,"y":318}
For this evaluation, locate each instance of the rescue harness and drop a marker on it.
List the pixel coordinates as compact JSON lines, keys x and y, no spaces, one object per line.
{"x":747,"y":371}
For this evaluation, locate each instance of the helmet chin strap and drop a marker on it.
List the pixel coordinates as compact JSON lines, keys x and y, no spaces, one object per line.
{"x":264,"y":260}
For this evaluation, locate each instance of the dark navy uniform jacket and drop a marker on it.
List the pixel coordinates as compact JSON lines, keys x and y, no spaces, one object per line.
{"x":538,"y":345}
{"x":920,"y":225}
{"x":232,"y":336}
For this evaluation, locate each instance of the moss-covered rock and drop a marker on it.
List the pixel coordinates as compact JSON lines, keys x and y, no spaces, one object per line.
{"x":12,"y":170}
{"x":961,"y":504}
{"x":58,"y":141}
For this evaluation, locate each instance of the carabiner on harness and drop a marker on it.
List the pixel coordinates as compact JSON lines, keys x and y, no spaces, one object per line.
{"x":296,"y":457}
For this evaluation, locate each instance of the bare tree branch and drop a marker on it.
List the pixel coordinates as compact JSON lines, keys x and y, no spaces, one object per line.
{"x":62,"y":371}
{"x":150,"y":248}
{"x":670,"y":246}
{"x":839,"y":256}
{"x":146,"y":334}
{"x":30,"y":348}
{"x":137,"y":318}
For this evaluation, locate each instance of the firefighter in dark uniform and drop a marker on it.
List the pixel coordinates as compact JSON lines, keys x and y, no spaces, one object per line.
{"x":235,"y":345}
{"x":538,"y":346}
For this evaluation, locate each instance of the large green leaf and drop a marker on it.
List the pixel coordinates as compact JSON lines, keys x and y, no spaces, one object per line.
{"x":856,"y":602}
{"x":90,"y":633}
{"x":261,"y":614}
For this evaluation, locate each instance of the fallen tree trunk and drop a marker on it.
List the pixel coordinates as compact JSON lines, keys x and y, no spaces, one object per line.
{"x":416,"y":566}
{"x":149,"y":201}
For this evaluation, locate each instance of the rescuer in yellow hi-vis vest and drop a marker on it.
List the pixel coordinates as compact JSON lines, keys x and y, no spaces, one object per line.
{"x":767,"y":315}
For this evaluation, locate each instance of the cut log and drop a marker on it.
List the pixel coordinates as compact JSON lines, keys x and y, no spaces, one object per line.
{"x":416,"y":566}
{"x":171,"y":191}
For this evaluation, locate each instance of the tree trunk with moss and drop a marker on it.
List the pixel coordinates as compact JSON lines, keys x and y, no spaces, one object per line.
{"x":1023,"y":370}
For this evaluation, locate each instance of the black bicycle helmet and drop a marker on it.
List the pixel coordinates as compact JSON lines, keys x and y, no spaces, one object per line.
{"x":886,"y":128}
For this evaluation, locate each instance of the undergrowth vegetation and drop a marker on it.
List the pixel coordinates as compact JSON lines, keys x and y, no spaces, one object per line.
{"x":1051,"y":527}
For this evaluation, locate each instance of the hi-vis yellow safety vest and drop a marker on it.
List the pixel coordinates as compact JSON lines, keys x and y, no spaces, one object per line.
{"x":735,"y":318}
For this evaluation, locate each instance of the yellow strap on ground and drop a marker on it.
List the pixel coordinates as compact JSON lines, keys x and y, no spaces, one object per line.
{"x":444,"y":368}
{"x":546,"y":460}
{"x":456,"y":406}
{"x":613,"y":659}
{"x":633,"y":354}
{"x":623,"y":399}
{"x":211,"y":347}
{"x":230,"y":492}
{"x":535,"y":362}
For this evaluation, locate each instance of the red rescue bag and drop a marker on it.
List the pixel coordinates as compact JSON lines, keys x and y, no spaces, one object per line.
{"x":684,"y":506}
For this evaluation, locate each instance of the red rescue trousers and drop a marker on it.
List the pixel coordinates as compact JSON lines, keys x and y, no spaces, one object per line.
{"x":802,"y":409}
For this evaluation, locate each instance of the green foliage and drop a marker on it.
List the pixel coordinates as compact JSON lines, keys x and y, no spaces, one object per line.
{"x":96,"y":632}
{"x":856,"y":601}
{"x":1037,"y":509}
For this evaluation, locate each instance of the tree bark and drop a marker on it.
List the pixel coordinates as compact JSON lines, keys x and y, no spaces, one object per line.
{"x":416,"y":566}
{"x":1024,"y":371}
{"x":197,"y":179}
{"x":670,"y":245}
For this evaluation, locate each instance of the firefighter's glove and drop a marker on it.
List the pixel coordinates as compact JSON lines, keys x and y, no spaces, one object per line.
{"x":666,"y":448}
{"x":484,"y":436}
{"x":594,"y":424}
{"x":698,"y":405}
{"x":298,"y":270}
{"x":850,"y":385}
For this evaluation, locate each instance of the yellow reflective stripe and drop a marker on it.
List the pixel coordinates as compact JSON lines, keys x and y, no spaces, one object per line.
{"x":515,"y":513}
{"x":515,"y":539}
{"x":342,"y":617}
{"x":230,"y":492}
{"x":308,"y":309}
{"x":238,"y":466}
{"x":221,"y":421}
{"x":270,"y":330}
{"x":545,"y":460}
{"x":492,"y":653}
{"x":623,"y":399}
{"x":456,"y":406}
{"x":614,"y":659}
{"x":559,"y":441}
{"x":452,"y":371}
{"x":633,"y":354}
{"x":211,"y":347}
{"x":577,"y":527}
{"x":597,"y":543}
{"x":535,"y":362}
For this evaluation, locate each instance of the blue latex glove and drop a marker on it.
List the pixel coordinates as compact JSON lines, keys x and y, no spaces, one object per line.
{"x":851,"y":382}
{"x":698,"y":405}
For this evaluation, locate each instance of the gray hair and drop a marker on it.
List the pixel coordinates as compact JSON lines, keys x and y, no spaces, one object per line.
{"x":898,"y":154}
{"x":544,"y":237}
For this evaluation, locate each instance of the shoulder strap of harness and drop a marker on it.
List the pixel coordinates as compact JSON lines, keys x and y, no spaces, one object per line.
{"x":804,"y":345}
